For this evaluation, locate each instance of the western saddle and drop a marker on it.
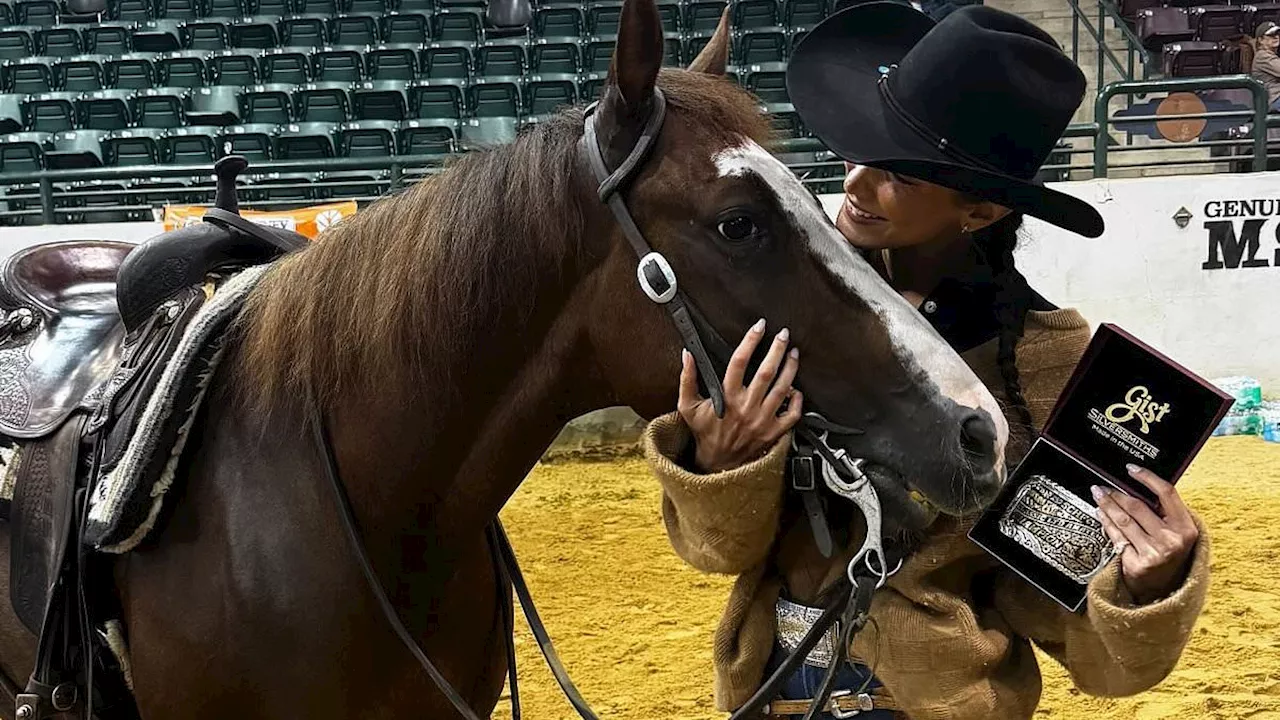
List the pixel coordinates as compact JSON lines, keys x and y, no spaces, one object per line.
{"x":86,"y":329}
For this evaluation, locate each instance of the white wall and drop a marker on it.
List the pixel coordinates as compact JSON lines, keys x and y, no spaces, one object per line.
{"x":1169,"y":285}
{"x":1145,"y":274}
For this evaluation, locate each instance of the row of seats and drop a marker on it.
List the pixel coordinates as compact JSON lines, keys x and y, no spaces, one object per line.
{"x":1200,"y":59}
{"x":1157,"y":27}
{"x":327,"y":101}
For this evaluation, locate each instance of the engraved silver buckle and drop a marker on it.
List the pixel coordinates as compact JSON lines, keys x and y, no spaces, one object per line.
{"x":865,"y":704}
{"x":1059,"y":528}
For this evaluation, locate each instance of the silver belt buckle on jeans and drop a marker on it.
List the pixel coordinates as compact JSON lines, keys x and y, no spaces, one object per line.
{"x":793,"y":622}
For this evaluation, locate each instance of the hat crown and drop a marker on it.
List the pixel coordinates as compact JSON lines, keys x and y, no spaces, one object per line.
{"x":989,"y":85}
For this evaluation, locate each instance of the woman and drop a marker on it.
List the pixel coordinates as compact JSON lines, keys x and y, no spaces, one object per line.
{"x":944,"y":129}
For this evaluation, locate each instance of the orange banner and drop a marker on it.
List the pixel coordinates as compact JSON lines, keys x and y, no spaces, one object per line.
{"x":310,"y":221}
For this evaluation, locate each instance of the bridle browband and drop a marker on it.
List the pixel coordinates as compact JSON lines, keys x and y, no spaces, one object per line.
{"x":847,"y":603}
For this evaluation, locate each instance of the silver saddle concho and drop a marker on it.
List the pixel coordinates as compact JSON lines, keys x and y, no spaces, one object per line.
{"x":1058,"y":527}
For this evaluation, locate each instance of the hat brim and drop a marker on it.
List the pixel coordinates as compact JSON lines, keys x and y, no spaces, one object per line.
{"x":832,"y":80}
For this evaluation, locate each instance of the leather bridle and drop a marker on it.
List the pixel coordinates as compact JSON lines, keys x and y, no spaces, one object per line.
{"x":847,"y":603}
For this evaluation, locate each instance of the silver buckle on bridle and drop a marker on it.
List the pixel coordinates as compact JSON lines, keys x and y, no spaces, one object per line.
{"x":655,"y":262}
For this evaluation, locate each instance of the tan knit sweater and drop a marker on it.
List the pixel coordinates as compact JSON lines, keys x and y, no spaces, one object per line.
{"x":955,"y":625}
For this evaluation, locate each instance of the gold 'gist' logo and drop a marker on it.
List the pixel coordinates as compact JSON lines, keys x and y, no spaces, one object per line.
{"x":1138,"y":404}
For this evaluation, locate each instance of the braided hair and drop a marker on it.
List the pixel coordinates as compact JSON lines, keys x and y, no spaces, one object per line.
{"x":1013,"y":300}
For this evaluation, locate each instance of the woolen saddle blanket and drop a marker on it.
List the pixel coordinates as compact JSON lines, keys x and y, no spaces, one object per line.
{"x":129,"y":496}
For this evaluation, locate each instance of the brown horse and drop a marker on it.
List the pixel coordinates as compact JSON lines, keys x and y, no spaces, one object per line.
{"x":447,"y":333}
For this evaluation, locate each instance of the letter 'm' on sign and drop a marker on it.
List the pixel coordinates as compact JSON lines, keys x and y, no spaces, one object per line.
{"x":1226,"y":249}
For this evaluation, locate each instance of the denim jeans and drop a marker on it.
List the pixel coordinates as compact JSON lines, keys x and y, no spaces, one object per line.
{"x":804,"y":684}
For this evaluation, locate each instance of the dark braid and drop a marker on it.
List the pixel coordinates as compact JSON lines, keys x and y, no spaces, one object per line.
{"x":1013,"y":301}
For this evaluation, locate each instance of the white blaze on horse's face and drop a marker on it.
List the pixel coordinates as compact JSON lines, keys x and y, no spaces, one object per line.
{"x":915,"y":342}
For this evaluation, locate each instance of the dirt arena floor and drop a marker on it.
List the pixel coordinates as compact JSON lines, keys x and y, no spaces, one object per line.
{"x":634,"y":624}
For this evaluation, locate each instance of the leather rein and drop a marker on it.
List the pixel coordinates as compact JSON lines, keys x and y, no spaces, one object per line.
{"x":847,"y":602}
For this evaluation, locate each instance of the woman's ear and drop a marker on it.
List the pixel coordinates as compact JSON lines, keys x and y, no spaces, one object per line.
{"x":983,"y":214}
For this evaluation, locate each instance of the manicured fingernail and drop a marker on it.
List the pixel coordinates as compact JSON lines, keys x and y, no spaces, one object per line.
{"x":1098,"y":494}
{"x":684,"y":354}
{"x":1133,"y":469}
{"x":784,"y":335}
{"x":795,"y":353}
{"x":759,"y":326}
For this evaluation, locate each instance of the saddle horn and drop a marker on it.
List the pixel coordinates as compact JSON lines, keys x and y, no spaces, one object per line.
{"x":227,"y":170}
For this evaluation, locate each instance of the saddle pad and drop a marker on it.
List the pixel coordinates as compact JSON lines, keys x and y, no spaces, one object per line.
{"x":127,"y":500}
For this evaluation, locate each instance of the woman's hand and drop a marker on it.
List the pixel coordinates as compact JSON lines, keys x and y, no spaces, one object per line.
{"x":1155,"y":546}
{"x":752,"y":423}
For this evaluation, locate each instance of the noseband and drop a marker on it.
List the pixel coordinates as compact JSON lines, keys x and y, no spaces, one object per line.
{"x":848,"y":602}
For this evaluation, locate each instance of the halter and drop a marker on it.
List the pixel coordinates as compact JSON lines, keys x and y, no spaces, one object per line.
{"x":848,"y":603}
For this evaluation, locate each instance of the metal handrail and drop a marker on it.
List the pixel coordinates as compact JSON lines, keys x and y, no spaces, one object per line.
{"x":1099,"y":34}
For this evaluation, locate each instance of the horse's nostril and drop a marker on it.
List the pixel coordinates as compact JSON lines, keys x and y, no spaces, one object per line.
{"x":978,"y":435}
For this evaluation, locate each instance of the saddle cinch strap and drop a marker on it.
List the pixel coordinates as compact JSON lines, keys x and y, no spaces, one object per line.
{"x":86,"y":330}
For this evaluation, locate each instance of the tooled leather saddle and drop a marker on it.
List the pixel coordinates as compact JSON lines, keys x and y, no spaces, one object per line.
{"x":86,"y":330}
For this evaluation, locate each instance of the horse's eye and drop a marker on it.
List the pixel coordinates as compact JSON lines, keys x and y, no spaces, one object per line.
{"x":738,"y":228}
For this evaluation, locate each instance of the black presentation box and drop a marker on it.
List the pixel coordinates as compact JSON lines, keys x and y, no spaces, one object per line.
{"x":1125,"y":403}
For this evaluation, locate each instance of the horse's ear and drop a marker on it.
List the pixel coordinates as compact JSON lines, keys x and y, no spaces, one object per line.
{"x":636,"y":60}
{"x":715,"y":54}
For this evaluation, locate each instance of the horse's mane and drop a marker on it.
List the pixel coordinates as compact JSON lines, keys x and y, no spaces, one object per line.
{"x":429,"y":269}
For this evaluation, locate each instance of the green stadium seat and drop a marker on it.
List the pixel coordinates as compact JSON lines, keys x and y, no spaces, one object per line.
{"x":559,"y":57}
{"x":257,"y":31}
{"x":673,"y":50}
{"x":190,"y":145}
{"x":303,"y":32}
{"x":224,"y":8}
{"x":369,"y":7}
{"x":427,"y":137}
{"x":305,"y":141}
{"x":353,"y":30}
{"x":182,"y":69}
{"x":356,"y":184}
{"x":37,"y":12}
{"x":603,"y":18}
{"x":7,"y":14}
{"x":316,"y":7}
{"x":158,"y":36}
{"x":495,"y":98}
{"x":784,"y":119}
{"x":322,"y":102}
{"x":267,"y":104}
{"x":457,"y":25}
{"x":164,"y":107}
{"x":500,"y":60}
{"x":104,"y":109}
{"x":219,"y":105}
{"x":804,"y":14}
{"x":276,"y":8}
{"x":403,"y":28}
{"x":426,"y":7}
{"x":50,"y":112}
{"x":702,"y":15}
{"x":484,"y":132}
{"x":447,"y":63}
{"x":590,"y":85}
{"x":768,"y":81}
{"x":135,"y":146}
{"x":796,"y":37}
{"x":23,"y":197}
{"x":669,"y":11}
{"x":82,"y":74}
{"x":559,"y":22}
{"x":233,"y":67}
{"x":547,"y":93}
{"x":751,"y":14}
{"x":367,"y":138}
{"x":130,"y":71}
{"x":62,"y":41}
{"x":205,"y":35}
{"x":254,"y":142}
{"x":94,"y":201}
{"x":32,"y":75}
{"x":284,"y":65}
{"x":178,"y":9}
{"x":338,"y":64}
{"x":109,"y":38}
{"x":280,"y":188}
{"x":11,"y":112}
{"x":392,"y":62}
{"x":754,"y":48}
{"x":599,"y":54}
{"x":436,"y":100}
{"x":16,"y":43}
{"x":694,"y":43}
{"x":132,"y":11}
{"x":74,"y":149}
{"x":156,"y":192}
{"x":379,"y":100}
{"x":24,"y":152}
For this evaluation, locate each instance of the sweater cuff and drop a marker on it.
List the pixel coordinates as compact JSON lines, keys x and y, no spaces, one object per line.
{"x":668,"y":446}
{"x":1113,"y":612}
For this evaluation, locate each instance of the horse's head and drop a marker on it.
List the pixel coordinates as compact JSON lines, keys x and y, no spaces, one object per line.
{"x":747,"y":240}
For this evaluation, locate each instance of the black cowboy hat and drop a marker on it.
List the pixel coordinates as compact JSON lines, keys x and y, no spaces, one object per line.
{"x":975,"y":103}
